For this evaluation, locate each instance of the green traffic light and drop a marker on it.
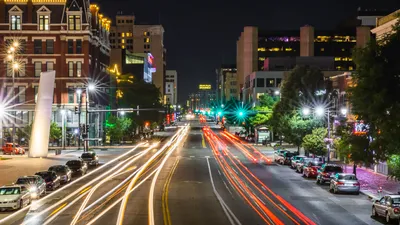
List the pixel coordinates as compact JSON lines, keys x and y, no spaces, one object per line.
{"x":219,"y":113}
{"x":241,"y":113}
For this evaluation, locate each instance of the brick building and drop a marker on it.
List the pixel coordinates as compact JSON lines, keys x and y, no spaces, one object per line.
{"x":68,"y":36}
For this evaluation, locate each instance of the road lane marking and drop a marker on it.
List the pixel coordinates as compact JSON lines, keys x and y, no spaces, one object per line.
{"x":166,"y":214}
{"x":58,"y":209}
{"x":219,"y":172}
{"x":228,"y":188}
{"x":228,"y":212}
{"x":263,"y":188}
{"x":203,"y":142}
{"x":280,"y":205}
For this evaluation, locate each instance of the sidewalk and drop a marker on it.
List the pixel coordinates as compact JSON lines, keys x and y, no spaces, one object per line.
{"x":370,"y":182}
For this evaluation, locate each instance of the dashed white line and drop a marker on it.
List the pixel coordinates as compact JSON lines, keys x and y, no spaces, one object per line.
{"x":263,"y":188}
{"x":280,"y":205}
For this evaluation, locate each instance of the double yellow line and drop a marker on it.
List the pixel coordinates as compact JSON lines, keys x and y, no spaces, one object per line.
{"x":166,"y":214}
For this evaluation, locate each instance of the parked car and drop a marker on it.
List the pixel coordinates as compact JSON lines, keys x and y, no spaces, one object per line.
{"x":345,"y":182}
{"x":305,"y":161}
{"x":14,"y":197}
{"x":295,"y":160}
{"x":327,"y":172}
{"x":387,"y":206}
{"x":63,"y":172}
{"x":310,"y":170}
{"x":52,"y":180}
{"x":77,"y":166}
{"x":278,"y":154}
{"x":285,"y":158}
{"x":9,"y":149}
{"x":90,"y":158}
{"x":35,"y":184}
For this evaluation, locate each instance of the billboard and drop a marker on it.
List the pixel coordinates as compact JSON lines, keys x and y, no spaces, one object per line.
{"x":205,"y":87}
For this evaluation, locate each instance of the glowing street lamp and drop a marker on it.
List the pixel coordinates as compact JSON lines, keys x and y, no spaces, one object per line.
{"x":79,"y":91}
{"x":343,"y":111}
{"x":15,"y":66}
{"x":305,"y":111}
{"x":91,"y":87}
{"x":122,"y":113}
{"x":12,"y":49}
{"x":319,"y":111}
{"x":277,"y":92}
{"x":15,"y":44}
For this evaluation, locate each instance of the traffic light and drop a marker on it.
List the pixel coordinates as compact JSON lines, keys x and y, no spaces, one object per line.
{"x":219,"y":113}
{"x":76,"y":110}
{"x":241,"y":113}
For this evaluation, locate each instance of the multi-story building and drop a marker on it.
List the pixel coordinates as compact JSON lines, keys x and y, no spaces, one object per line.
{"x":67,"y":36}
{"x":171,"y":87}
{"x":203,"y":99}
{"x":125,"y":34}
{"x":228,"y":86}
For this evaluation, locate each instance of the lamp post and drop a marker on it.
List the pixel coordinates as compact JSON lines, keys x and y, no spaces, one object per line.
{"x":14,"y":66}
{"x":63,"y":128}
{"x":79,"y":92}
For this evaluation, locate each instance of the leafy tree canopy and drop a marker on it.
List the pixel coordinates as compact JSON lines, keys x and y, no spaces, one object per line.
{"x":315,"y":142}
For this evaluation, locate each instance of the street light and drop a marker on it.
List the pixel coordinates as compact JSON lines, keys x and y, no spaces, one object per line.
{"x":306,"y":111}
{"x":343,"y":111}
{"x":15,"y":44}
{"x":91,"y":87}
{"x":319,"y":111}
{"x":277,"y":92}
{"x":79,"y":91}
{"x":122,"y":113}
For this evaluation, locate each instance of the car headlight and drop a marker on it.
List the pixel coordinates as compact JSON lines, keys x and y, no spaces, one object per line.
{"x":14,"y":201}
{"x":33,"y":189}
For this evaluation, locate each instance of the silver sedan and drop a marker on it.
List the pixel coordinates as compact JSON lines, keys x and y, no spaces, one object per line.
{"x":345,"y":182}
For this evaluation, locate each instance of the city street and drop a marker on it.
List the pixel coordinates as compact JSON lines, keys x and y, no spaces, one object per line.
{"x":191,"y":179}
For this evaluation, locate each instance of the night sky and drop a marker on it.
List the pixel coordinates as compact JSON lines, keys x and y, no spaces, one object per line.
{"x":201,"y":35}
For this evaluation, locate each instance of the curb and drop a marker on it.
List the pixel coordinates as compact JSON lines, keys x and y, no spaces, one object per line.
{"x":368,"y":194}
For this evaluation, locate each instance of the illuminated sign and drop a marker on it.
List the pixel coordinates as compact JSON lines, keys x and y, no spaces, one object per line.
{"x":205,"y":87}
{"x":360,"y":128}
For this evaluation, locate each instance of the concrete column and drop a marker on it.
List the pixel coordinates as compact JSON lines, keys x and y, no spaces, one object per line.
{"x":363,"y":36}
{"x":307,"y":41}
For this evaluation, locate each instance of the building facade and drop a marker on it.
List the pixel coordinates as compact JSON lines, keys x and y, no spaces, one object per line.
{"x":228,"y":85}
{"x":384,"y":25}
{"x":125,"y":34}
{"x":171,"y":87}
{"x":69,"y":37}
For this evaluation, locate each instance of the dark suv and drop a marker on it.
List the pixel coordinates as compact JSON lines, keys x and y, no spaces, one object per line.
{"x":327,"y":172}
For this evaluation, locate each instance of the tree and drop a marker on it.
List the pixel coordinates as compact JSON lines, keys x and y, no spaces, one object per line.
{"x":267,"y":100}
{"x":298,"y":128}
{"x":117,"y":127}
{"x":55,"y":132}
{"x":375,"y":95}
{"x":315,"y":142}
{"x":261,"y":117}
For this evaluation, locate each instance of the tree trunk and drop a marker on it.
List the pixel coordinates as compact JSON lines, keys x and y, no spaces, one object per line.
{"x":298,"y":149}
{"x":355,"y":169}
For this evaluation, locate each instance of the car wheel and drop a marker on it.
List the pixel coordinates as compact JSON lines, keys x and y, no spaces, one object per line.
{"x":387,"y":218}
{"x":317,"y":181}
{"x":373,"y":214}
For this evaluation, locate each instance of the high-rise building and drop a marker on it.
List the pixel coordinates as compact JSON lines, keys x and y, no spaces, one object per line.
{"x":228,"y":86}
{"x":67,"y":36}
{"x":171,"y":87}
{"x":125,"y":34}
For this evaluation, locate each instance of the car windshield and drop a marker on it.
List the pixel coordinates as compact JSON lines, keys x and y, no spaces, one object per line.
{"x":87,"y":155}
{"x":57,"y":169}
{"x":10,"y":191}
{"x":333,"y":169}
{"x":347,"y":177}
{"x":26,"y":181}
{"x":73,"y":163}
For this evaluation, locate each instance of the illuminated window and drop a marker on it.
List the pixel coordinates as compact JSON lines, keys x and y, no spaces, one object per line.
{"x":270,"y":82}
{"x":288,"y":49}
{"x":15,"y":22}
{"x":343,"y":49}
{"x":44,"y":21}
{"x":274,"y":49}
{"x":322,"y":49}
{"x":74,"y":22}
{"x":123,"y":41}
{"x":123,"y":47}
{"x":78,"y":69}
{"x":338,"y":67}
{"x":38,"y":68}
{"x":351,"y":68}
{"x":147,"y":40}
{"x":50,"y":66}
{"x":261,"y":58}
{"x":338,"y":59}
{"x":261,"y":49}
{"x":122,"y":34}
{"x":71,"y":69}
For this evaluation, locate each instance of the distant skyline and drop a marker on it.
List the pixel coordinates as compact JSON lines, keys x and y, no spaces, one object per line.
{"x":200,"y":36}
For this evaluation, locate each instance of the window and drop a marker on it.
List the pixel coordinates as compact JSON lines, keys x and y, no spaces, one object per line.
{"x":36,"y":88}
{"x":147,"y":40}
{"x":260,"y":82}
{"x":15,"y":22}
{"x":22,"y":46}
{"x":74,"y":22}
{"x":9,"y":70}
{"x":9,"y":91}
{"x":71,"y":69}
{"x":21,"y":70}
{"x":38,"y":68}
{"x":37,"y":45}
{"x":44,"y":22}
{"x":70,"y":46}
{"x":270,"y":82}
{"x":322,"y":49}
{"x":71,"y":95}
{"x":278,"y":82}
{"x":49,"y":46}
{"x":78,"y":47}
{"x":50,"y":66}
{"x":78,"y":69}
{"x":21,"y":94}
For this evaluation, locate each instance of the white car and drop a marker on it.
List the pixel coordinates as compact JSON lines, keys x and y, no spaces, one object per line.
{"x":14,"y":197}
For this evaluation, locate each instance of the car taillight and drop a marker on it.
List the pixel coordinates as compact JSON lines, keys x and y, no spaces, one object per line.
{"x":396,"y":210}
{"x":356,"y":184}
{"x":340,"y":183}
{"x":325,"y":174}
